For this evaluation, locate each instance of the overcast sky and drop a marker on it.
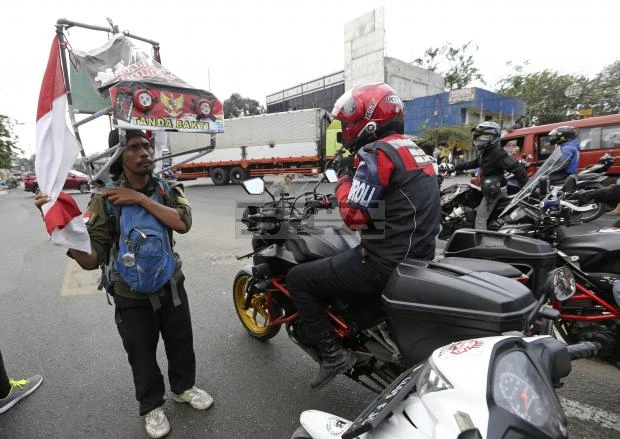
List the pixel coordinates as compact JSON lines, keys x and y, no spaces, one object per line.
{"x":256,"y":48}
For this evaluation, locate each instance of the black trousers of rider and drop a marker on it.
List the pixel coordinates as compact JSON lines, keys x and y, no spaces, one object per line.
{"x":344,"y":275}
{"x":5,"y":386}
{"x":139,"y":327}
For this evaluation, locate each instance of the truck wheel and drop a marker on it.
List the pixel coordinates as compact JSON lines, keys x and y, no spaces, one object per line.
{"x":219,"y":176}
{"x":84,"y":187}
{"x":36,"y":190}
{"x":238,"y":174}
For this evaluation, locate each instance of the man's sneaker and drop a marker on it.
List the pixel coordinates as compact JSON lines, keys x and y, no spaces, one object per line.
{"x":197,"y":398}
{"x":157,"y":424}
{"x":19,"y":390}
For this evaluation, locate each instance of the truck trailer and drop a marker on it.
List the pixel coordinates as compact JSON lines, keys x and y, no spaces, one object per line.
{"x":253,"y":146}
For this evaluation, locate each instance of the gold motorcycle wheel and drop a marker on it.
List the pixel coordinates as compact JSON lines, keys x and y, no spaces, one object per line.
{"x":256,"y":317}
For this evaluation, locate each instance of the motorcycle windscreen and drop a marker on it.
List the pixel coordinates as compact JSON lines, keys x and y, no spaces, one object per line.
{"x":553,"y":163}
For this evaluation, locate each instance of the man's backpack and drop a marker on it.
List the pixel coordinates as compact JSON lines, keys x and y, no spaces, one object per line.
{"x":142,"y":254}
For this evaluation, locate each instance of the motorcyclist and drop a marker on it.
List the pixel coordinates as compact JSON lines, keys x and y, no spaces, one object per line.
{"x":566,"y":137}
{"x":388,"y":192}
{"x":493,"y":161}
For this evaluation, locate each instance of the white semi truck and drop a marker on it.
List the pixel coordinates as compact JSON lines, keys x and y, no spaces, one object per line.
{"x":267,"y":144}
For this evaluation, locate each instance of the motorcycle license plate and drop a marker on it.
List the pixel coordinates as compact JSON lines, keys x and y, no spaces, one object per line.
{"x":383,"y":404}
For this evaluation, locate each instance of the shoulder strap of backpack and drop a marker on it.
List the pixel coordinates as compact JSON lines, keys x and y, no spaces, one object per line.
{"x":165,"y":190}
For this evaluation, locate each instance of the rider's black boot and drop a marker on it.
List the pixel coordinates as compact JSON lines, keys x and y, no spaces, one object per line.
{"x":335,"y":359}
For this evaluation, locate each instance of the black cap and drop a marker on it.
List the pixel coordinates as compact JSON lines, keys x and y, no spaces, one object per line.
{"x":113,"y":136}
{"x":116,"y":168}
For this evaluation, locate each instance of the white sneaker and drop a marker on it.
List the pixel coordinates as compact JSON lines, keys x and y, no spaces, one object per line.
{"x":197,"y":398}
{"x":157,"y":424}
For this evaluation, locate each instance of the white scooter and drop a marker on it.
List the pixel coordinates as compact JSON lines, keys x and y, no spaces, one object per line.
{"x":489,"y":387}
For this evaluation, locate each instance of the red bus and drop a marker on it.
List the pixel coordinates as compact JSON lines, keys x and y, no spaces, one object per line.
{"x":597,"y":135}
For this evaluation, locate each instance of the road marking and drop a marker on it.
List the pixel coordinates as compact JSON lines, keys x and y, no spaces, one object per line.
{"x":586,"y":412}
{"x":79,"y":282}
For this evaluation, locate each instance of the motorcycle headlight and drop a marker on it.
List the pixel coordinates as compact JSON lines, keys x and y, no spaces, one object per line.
{"x":430,"y":380}
{"x":203,"y":108}
{"x":519,"y":388}
{"x":143,"y":100}
{"x":560,"y":284}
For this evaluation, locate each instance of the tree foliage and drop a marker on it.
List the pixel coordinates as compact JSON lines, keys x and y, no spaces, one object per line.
{"x":8,"y":147}
{"x":604,"y":90}
{"x":456,"y":64}
{"x":545,"y":96}
{"x":238,"y":106}
{"x":453,"y":136}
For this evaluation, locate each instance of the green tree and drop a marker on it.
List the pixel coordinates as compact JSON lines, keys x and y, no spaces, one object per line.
{"x":452,"y":136}
{"x":544,"y":94}
{"x":603,"y":92}
{"x":456,"y":64}
{"x":238,"y":106}
{"x":8,"y":147}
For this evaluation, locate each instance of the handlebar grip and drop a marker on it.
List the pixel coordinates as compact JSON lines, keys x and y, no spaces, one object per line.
{"x":585,"y":349}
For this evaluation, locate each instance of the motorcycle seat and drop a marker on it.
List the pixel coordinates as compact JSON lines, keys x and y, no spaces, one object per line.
{"x":495,"y":267}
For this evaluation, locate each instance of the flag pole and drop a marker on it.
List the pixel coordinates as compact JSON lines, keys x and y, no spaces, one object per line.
{"x":65,"y":74}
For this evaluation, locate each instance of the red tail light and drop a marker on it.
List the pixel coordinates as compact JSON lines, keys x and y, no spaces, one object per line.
{"x":523,"y":279}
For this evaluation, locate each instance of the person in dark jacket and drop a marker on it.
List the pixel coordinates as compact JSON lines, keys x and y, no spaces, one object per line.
{"x":493,"y":161}
{"x":566,"y":137}
{"x":388,"y":193}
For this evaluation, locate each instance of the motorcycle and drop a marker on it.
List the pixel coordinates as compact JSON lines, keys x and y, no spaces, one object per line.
{"x":478,"y":388}
{"x":459,"y":203}
{"x":481,"y":388}
{"x":424,"y":305}
{"x":534,"y":239}
{"x":593,"y":177}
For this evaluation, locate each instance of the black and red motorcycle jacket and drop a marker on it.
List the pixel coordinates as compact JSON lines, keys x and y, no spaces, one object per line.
{"x":392,"y":200}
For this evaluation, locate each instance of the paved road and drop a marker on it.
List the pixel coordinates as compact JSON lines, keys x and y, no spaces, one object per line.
{"x":54,"y":322}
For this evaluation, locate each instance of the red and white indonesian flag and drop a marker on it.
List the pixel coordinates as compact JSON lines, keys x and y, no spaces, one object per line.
{"x":57,"y":149}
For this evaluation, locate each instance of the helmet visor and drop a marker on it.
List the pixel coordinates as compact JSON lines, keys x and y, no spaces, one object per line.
{"x":345,"y":107}
{"x":484,"y":138}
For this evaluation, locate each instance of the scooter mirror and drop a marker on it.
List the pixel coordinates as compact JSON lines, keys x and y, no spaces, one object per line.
{"x":254,"y":186}
{"x":331,"y":175}
{"x":570,"y":185}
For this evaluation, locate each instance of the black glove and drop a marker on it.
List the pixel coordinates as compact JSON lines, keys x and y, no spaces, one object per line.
{"x":581,"y":197}
{"x":343,"y":165}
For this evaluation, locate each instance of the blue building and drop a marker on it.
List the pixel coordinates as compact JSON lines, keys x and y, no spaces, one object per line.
{"x":464,"y":106}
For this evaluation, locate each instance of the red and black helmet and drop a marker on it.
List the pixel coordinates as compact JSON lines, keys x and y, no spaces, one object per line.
{"x":367,"y":112}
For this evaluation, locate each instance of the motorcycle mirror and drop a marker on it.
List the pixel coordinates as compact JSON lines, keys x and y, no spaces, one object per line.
{"x":570,"y":185}
{"x":544,"y":186}
{"x":331,"y":176}
{"x":254,"y":186}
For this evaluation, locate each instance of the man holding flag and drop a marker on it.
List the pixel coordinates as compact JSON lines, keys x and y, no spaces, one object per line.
{"x":139,"y":319}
